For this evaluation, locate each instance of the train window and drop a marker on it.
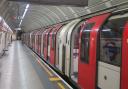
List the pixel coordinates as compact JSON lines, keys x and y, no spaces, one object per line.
{"x":32,"y":39}
{"x":66,"y":37}
{"x":49,"y":39}
{"x":53,"y":41}
{"x":110,"y":41}
{"x":85,"y":37}
{"x":39,"y":40}
{"x":44,"y":41}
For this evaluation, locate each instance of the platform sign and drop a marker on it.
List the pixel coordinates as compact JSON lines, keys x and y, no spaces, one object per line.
{"x":57,"y":2}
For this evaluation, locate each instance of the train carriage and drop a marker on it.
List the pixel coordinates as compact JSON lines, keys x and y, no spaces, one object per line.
{"x":92,"y":52}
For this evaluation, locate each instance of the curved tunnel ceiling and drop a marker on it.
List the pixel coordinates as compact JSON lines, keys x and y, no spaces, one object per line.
{"x":39,"y":16}
{"x":48,"y":15}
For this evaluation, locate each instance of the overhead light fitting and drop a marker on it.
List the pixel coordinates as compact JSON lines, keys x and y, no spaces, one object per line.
{"x":25,"y":11}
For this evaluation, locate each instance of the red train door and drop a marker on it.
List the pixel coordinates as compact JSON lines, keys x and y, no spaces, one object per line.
{"x":38,"y":42}
{"x":33,"y":41}
{"x":124,"y":70}
{"x":46,"y":48}
{"x":87,"y":52}
{"x":45,"y":45}
{"x":53,"y":43}
{"x":39,"y":51}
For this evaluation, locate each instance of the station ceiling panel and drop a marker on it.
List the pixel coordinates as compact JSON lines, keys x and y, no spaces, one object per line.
{"x":39,"y":16}
{"x":57,"y":2}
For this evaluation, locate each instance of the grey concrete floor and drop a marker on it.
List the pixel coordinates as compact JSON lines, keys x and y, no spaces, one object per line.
{"x":18,"y":70}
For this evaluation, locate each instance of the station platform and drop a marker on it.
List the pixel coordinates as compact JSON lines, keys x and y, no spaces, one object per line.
{"x":20,"y":68}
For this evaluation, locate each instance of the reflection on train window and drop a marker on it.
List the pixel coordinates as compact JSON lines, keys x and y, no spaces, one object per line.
{"x":110,"y":41}
{"x":85,"y":37}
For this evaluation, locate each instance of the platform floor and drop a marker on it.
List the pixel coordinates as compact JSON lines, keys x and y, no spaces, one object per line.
{"x":19,"y":69}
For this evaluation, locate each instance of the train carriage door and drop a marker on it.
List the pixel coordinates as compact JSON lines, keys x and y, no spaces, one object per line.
{"x":124,"y":70}
{"x":53,"y":43}
{"x":48,"y":47}
{"x":51,"y":46}
{"x":44,"y":46}
{"x":112,"y":50}
{"x":87,"y":52}
{"x":36,"y":42}
{"x":110,"y":56}
{"x":57,"y":40}
{"x":40,"y":44}
{"x":46,"y":43}
{"x":73,"y":46}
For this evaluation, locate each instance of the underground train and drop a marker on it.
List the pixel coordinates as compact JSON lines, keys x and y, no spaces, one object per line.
{"x":5,"y":36}
{"x":92,"y":52}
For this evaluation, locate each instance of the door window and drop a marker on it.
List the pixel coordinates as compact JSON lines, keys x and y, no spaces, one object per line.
{"x":85,"y":37}
{"x":44,"y":41}
{"x":49,"y":39}
{"x":111,"y":40}
{"x":39,"y":40}
{"x":53,"y":41}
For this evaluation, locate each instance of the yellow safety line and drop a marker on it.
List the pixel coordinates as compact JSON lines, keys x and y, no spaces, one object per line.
{"x":54,"y":79}
{"x":51,"y":79}
{"x":50,"y":74}
{"x":45,"y":68}
{"x":61,"y":86}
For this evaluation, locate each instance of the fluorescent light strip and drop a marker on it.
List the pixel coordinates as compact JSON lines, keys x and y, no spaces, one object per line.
{"x":25,"y":11}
